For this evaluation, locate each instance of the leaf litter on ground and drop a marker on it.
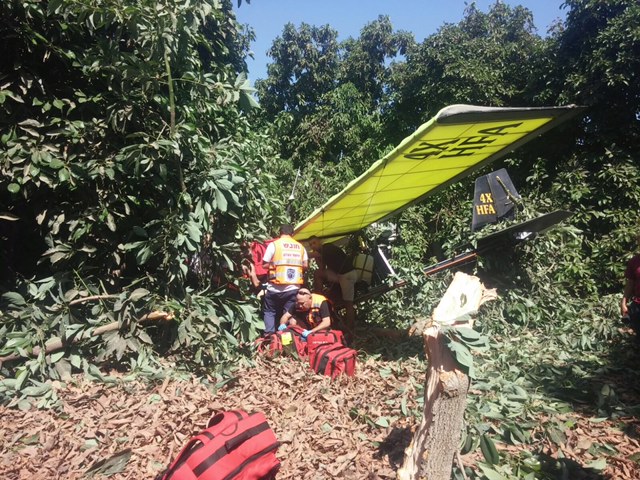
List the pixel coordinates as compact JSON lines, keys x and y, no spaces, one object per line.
{"x":351,"y":428}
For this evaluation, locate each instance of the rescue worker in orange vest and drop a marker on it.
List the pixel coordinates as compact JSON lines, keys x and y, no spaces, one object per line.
{"x":335,"y":266}
{"x":311,"y":311}
{"x":286,"y":260}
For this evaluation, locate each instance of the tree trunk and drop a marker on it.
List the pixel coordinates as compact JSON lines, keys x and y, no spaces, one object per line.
{"x":437,"y":438}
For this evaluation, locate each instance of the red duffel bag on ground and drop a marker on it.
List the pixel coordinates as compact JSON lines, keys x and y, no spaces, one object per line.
{"x":235,"y":446}
{"x":333,"y":360}
{"x":323,"y":337}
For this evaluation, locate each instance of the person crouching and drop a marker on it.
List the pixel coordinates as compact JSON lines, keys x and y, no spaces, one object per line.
{"x":311,"y":311}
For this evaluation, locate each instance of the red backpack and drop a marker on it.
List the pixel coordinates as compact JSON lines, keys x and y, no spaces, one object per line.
{"x":235,"y":446}
{"x":257,"y":253}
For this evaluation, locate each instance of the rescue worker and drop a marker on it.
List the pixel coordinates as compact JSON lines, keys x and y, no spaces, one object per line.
{"x":311,"y":311}
{"x":630,"y":305}
{"x":286,"y":260}
{"x":335,"y":266}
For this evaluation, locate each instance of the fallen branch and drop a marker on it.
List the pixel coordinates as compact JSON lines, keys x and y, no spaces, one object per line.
{"x":91,"y":298}
{"x":57,"y":343}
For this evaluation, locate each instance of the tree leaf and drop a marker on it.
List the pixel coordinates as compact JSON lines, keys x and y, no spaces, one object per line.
{"x":116,"y":463}
{"x":221,"y":201}
{"x":143,"y":255}
{"x":491,"y":474}
{"x":599,"y":464}
{"x":57,"y":356}
{"x":14,"y":298}
{"x":382,"y":422}
{"x":489,"y":450}
{"x":138,"y":293}
{"x":56,"y":163}
{"x":461,"y":353}
{"x":467,"y":333}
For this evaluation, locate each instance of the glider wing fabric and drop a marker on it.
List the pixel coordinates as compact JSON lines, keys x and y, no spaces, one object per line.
{"x":457,"y":141}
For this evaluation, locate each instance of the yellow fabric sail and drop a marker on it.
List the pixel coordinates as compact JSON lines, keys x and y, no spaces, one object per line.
{"x":457,"y":141}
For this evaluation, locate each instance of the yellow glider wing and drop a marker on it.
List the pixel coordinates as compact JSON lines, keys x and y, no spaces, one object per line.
{"x":457,"y":141}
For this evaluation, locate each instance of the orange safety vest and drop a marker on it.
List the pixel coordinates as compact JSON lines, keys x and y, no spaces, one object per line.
{"x":285,"y":267}
{"x":313,"y":317}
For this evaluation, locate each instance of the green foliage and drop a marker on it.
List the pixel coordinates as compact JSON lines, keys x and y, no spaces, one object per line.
{"x":326,"y":97}
{"x":461,"y":341}
{"x":132,"y":177}
{"x":50,"y":314}
{"x":531,"y":373}
{"x":597,"y":57}
{"x":487,"y":59}
{"x":366,"y":61}
{"x":343,"y":123}
{"x":305,"y":68}
{"x":123,"y":163}
{"x":130,"y":167}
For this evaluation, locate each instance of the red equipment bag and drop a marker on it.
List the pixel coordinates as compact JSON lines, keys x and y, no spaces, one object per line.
{"x":257,"y":252}
{"x":323,"y":337}
{"x":272,"y":344}
{"x":298,"y":340}
{"x":269,"y":345}
{"x":235,"y":446}
{"x":333,"y":360}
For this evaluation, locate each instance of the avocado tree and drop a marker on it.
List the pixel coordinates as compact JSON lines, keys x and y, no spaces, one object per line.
{"x":128,"y":174}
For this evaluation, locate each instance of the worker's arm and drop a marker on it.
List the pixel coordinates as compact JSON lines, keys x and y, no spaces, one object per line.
{"x":325,"y":311}
{"x":287,"y":319}
{"x":250,"y":271}
{"x":626,"y":296}
{"x":325,"y":323}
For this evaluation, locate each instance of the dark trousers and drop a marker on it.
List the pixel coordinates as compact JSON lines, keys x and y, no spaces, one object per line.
{"x":275,"y":304}
{"x":634,"y":317}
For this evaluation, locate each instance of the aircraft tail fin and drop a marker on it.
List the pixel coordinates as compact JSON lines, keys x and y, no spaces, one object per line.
{"x":495,"y":198}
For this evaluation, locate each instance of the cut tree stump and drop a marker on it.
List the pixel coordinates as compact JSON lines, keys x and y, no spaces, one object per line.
{"x":437,"y":438}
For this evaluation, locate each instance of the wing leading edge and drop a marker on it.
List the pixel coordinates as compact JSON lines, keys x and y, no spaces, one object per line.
{"x":459,"y":140}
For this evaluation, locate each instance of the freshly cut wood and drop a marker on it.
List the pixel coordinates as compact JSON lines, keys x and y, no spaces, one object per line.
{"x":436,"y":440}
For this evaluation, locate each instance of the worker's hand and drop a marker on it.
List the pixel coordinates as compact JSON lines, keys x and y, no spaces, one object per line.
{"x":283,"y":326}
{"x":305,"y":333}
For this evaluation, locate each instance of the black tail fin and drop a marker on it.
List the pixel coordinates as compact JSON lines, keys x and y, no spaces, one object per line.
{"x":494,"y":198}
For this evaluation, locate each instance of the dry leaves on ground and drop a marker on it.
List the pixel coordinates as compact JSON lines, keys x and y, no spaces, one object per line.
{"x":349,"y":428}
